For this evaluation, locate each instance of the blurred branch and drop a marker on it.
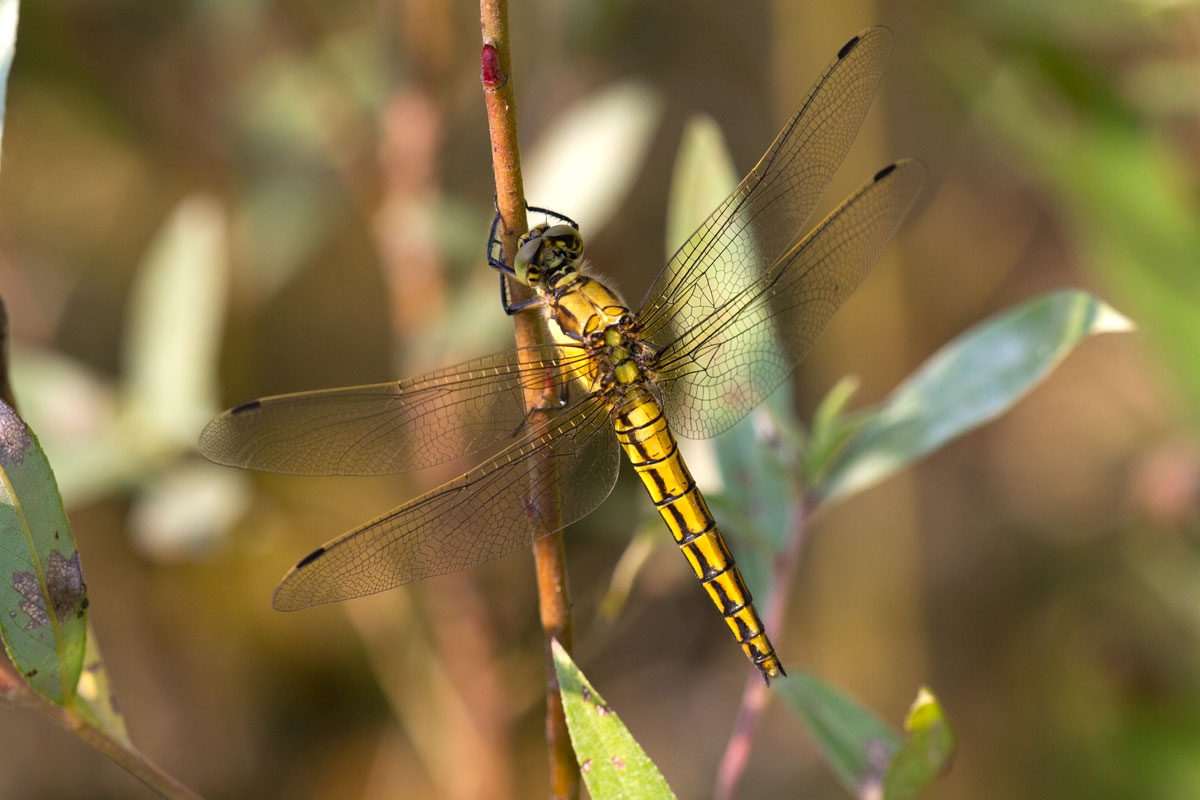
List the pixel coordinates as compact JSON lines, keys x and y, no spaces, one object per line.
{"x":553,"y":594}
{"x":6,"y":392}
{"x":132,"y":761}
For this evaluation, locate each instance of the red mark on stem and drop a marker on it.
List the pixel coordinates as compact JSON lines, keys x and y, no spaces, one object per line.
{"x":489,"y":68}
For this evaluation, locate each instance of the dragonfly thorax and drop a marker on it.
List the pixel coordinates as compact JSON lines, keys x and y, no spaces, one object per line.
{"x":548,"y":256}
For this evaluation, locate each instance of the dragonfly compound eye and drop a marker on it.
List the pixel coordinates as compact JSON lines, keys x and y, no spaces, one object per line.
{"x":527,"y":264}
{"x":564,"y":245}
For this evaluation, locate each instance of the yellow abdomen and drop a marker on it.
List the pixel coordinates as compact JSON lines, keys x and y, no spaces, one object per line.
{"x":643,"y":434}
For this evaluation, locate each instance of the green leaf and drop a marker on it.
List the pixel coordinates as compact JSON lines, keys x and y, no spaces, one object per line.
{"x":586,"y":163}
{"x":867,"y":756}
{"x":973,"y":379}
{"x":43,"y":599}
{"x":1125,"y":190}
{"x":853,"y":742}
{"x":75,"y":413}
{"x":612,"y":762}
{"x":925,"y":753}
{"x":184,"y":512}
{"x":831,"y":430}
{"x":176,"y":314}
{"x":758,"y":494}
{"x":94,"y":698}
{"x":8,"y":44}
{"x":704,"y":176}
{"x":753,"y":499}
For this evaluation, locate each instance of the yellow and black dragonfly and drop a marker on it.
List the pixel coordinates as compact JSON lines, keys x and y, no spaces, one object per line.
{"x":725,"y":322}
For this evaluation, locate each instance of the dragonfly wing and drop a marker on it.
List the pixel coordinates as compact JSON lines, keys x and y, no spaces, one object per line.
{"x":713,"y":374}
{"x":501,"y":506}
{"x":765,"y":214}
{"x":388,"y":427}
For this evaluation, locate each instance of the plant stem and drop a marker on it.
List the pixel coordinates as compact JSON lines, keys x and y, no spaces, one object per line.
{"x":123,"y":754}
{"x":754,"y":695}
{"x":554,"y":601}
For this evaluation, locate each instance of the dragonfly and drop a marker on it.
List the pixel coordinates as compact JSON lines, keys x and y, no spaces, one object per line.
{"x":724,"y":324}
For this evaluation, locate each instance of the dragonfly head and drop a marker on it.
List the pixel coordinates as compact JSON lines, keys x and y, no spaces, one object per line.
{"x":548,"y":255}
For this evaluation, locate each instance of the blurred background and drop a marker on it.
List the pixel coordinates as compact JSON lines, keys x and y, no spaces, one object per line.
{"x":204,"y":201}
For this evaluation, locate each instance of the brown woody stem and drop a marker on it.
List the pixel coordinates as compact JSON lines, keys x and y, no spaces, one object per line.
{"x":554,"y":599}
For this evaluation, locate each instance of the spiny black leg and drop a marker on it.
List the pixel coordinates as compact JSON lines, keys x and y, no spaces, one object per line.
{"x":505,"y":271}
{"x":493,"y":243}
{"x":510,"y":307}
{"x":564,"y":397}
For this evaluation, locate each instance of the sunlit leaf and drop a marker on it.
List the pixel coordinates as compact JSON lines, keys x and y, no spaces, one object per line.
{"x":8,"y":43}
{"x":94,"y":698}
{"x":853,"y":742}
{"x":703,"y":177}
{"x":750,"y":495}
{"x":832,"y":429}
{"x":612,"y":762}
{"x":926,"y":751}
{"x":43,"y":598}
{"x":973,"y":379}
{"x":176,"y":313}
{"x":1127,"y":195}
{"x":75,"y":413}
{"x":186,"y":511}
{"x":869,"y":758}
{"x":585,"y":164}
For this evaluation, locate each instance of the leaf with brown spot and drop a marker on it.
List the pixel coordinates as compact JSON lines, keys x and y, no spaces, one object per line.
{"x":42,"y":590}
{"x":613,"y":764}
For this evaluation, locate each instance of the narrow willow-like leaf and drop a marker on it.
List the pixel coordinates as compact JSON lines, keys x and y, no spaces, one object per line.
{"x":613,"y":764}
{"x":94,"y":699}
{"x":832,"y":429}
{"x":703,"y":177}
{"x":755,"y":505}
{"x":925,"y":753}
{"x":973,"y":379}
{"x":176,"y":314}
{"x":8,"y":44}
{"x":586,"y":163}
{"x":754,"y":500}
{"x":854,"y":743}
{"x":43,"y":599}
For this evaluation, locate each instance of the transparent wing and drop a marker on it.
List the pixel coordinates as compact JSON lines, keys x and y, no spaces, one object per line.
{"x":491,"y":511}
{"x":388,"y":427}
{"x":765,"y":214}
{"x":731,"y":359}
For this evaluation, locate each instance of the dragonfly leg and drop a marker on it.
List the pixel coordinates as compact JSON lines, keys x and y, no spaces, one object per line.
{"x":546,"y":404}
{"x":493,"y":244}
{"x":498,"y":263}
{"x":506,"y":272}
{"x":550,"y":213}
{"x":511,"y":307}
